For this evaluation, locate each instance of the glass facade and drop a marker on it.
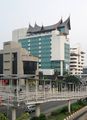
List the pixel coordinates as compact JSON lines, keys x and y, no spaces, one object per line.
{"x":29,"y":67}
{"x":66,"y":56}
{"x":40,"y":46}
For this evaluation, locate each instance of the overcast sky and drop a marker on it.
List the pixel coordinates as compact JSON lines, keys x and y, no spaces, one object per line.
{"x":19,"y":13}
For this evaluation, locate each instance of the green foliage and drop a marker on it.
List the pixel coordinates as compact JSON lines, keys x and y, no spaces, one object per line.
{"x":60,"y":111}
{"x":75,"y":107}
{"x":34,"y":118}
{"x":56,"y":112}
{"x":72,"y":79}
{"x":64,"y":109}
{"x":24,"y":116}
{"x":42,"y":117}
{"x":81,"y":102}
{"x":3,"y":117}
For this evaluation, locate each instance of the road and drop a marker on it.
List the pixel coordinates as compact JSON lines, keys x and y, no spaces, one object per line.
{"x":45,"y":108}
{"x":50,"y":106}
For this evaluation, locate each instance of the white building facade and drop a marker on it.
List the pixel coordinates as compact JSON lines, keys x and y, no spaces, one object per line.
{"x":76,"y":60}
{"x":19,"y":34}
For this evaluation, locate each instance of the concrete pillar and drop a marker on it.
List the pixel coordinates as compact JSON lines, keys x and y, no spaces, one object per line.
{"x":17,"y":89}
{"x":73,"y":87}
{"x":37,"y":110}
{"x":69,"y":107}
{"x":44,"y":88}
{"x":36,"y":89}
{"x":61,"y":67}
{"x":61,"y":87}
{"x":13,"y":113}
{"x":10,"y":83}
{"x":50,"y":87}
{"x":53,"y":89}
{"x":27,"y":88}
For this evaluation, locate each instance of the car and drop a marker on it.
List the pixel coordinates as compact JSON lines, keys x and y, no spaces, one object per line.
{"x":30,"y":108}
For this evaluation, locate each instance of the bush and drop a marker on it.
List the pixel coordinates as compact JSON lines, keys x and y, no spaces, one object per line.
{"x":3,"y":117}
{"x":81,"y":102}
{"x":42,"y":117}
{"x":54,"y":113}
{"x":64,"y":109}
{"x":34,"y":118}
{"x":75,"y":107}
{"x":24,"y":116}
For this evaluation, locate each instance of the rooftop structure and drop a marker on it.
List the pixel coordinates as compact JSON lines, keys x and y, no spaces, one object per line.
{"x":61,"y":26}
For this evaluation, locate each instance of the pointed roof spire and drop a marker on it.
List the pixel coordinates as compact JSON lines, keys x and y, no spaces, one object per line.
{"x":42,"y":28}
{"x":30,"y":26}
{"x":58,"y":25}
{"x":30,"y":29}
{"x":66,"y":22}
{"x":36,"y":26}
{"x":61,"y":20}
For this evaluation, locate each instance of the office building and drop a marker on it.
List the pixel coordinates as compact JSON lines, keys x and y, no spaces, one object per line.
{"x":76,"y":60}
{"x":51,"y":45}
{"x":15,"y":60}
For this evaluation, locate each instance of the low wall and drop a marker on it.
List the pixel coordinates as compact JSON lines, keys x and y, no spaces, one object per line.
{"x":76,"y":114}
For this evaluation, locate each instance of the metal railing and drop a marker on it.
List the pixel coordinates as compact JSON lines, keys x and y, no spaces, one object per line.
{"x":9,"y":95}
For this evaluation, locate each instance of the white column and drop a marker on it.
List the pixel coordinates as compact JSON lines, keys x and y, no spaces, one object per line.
{"x":10,"y":83}
{"x":44,"y":88}
{"x":69,"y":107}
{"x":61,"y":87}
{"x":17,"y":89}
{"x":37,"y":110}
{"x":36,"y":89}
{"x":50,"y":87}
{"x":61,"y":67}
{"x":13,"y":113}
{"x":27,"y":88}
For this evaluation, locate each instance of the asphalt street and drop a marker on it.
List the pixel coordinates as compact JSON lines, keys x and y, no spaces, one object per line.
{"x":45,"y":108}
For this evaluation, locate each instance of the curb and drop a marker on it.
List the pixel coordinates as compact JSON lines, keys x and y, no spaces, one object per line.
{"x":75,"y":114}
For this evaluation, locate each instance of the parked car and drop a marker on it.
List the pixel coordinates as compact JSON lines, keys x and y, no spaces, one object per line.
{"x":30,"y":108}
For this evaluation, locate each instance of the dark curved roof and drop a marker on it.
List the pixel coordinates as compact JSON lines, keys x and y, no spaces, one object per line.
{"x":40,"y":29}
{"x":66,"y":22}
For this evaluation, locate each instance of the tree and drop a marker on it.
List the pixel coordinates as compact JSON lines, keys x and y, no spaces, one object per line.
{"x":72,"y":79}
{"x":3,"y":117}
{"x":42,"y":117}
{"x":56,"y":73}
{"x":72,"y":82}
